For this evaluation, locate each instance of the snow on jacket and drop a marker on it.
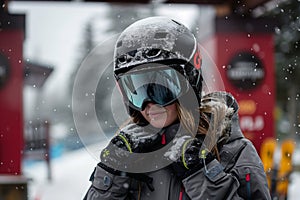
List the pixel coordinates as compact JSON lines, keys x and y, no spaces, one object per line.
{"x":238,"y":175}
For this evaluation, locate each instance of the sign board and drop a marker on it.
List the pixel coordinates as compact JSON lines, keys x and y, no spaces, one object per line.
{"x":243,"y":51}
{"x":11,"y":93}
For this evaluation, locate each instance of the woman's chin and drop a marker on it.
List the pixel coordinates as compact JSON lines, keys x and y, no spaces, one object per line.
{"x":158,"y":123}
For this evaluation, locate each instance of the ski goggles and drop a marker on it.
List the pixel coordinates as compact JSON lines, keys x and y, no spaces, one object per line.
{"x":162,"y":86}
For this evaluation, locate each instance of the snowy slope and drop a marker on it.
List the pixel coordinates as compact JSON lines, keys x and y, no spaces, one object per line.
{"x":72,"y":171}
{"x":70,"y":174}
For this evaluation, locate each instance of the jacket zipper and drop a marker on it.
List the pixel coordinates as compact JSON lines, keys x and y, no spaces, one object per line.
{"x":248,"y":185}
{"x":163,"y":139}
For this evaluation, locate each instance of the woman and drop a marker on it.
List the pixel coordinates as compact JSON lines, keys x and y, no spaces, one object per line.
{"x":178,"y":144}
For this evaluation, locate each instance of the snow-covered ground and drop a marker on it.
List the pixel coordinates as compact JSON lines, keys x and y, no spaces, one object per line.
{"x":70,"y":175}
{"x":72,"y":170}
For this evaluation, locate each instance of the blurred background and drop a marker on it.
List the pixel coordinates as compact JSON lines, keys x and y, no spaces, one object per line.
{"x":59,"y":105}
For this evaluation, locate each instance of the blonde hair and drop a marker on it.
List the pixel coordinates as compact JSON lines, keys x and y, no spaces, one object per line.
{"x":189,"y":123}
{"x":213,"y":112}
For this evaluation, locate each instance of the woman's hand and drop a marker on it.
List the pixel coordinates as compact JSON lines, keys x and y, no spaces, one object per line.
{"x":131,"y":139}
{"x":189,"y":155}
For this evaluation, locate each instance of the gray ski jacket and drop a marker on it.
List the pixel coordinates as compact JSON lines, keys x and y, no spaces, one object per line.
{"x":238,"y":175}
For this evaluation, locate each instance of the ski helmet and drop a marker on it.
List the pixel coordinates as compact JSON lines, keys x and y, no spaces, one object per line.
{"x":157,"y":41}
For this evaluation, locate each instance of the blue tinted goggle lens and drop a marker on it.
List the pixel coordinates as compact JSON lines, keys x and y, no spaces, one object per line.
{"x":162,"y":87}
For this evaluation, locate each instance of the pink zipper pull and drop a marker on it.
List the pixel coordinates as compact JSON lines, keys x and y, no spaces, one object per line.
{"x":163,"y":139}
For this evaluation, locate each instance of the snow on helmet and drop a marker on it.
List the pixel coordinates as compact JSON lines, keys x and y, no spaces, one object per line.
{"x":158,"y":41}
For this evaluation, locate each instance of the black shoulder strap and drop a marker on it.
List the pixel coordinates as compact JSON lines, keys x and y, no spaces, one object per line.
{"x":137,"y":176}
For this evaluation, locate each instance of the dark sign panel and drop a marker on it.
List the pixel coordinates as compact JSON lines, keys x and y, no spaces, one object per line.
{"x":245,"y":71}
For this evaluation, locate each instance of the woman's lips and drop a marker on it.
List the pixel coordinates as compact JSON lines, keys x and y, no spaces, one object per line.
{"x":156,"y":114}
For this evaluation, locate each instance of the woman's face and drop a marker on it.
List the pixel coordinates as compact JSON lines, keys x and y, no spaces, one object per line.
{"x":158,"y":116}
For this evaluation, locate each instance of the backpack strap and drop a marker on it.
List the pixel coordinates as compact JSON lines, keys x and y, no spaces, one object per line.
{"x":137,"y":176}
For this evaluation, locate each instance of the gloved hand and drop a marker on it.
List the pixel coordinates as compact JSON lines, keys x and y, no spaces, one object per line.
{"x":189,"y":155}
{"x":116,"y":158}
{"x":138,"y":139}
{"x":131,"y":139}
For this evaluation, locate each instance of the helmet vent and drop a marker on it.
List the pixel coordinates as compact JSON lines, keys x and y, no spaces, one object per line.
{"x":160,"y":35}
{"x":122,"y":59}
{"x":153,"y":53}
{"x":119,"y":43}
